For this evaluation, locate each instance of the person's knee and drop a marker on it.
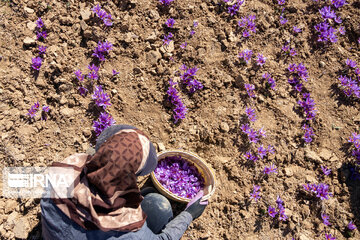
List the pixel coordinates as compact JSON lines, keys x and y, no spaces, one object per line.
{"x":156,"y":202}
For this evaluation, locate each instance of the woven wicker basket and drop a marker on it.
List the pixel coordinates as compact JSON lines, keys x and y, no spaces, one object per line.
{"x":199,"y":163}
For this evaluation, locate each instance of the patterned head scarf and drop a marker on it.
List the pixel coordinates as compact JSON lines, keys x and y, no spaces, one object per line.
{"x":105,"y":194}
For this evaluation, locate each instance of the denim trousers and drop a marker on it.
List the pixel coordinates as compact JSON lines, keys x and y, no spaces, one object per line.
{"x":158,"y":210}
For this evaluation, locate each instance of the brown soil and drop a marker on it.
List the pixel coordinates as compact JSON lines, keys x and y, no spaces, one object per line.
{"x":211,"y":128}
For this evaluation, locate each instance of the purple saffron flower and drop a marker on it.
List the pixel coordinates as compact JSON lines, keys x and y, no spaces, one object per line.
{"x":256,"y":193}
{"x":167,"y":38}
{"x":262,"y":152}
{"x":293,"y":52}
{"x":326,"y":32}
{"x":282,"y":215}
{"x":41,"y":35}
{"x":45,"y":108}
{"x":325,"y":219}
{"x":39,"y":23}
{"x":283,"y":20}
{"x":260,"y":60}
{"x":234,"y":9}
{"x":103,"y":15}
{"x":83,"y":91}
{"x":262,"y":132}
{"x":329,"y":237}
{"x":33,"y":110}
{"x":188,"y":78}
{"x":36,"y":63}
{"x":42,"y":50}
{"x":165,"y":2}
{"x":321,"y":190}
{"x":246,"y":55}
{"x":270,"y":150}
{"x":170,"y":22}
{"x":327,"y":13}
{"x":101,"y":98}
{"x":271,"y":169}
{"x":251,"y":114}
{"x":180,"y":110}
{"x":249,"y":156}
{"x":308,"y":105}
{"x":308,"y":133}
{"x":79,"y":75}
{"x":272,"y":212}
{"x":195,"y":24}
{"x":248,"y":25}
{"x":250,"y":90}
{"x":184,"y":45}
{"x":350,"y":63}
{"x":114,"y":72}
{"x":342,"y":30}
{"x":351,"y":226}
{"x":338,"y":3}
{"x":102,"y":49}
{"x":296,"y":29}
{"x":279,"y":202}
{"x":325,"y":170}
{"x":281,"y":2}
{"x":104,"y":121}
{"x":192,"y":32}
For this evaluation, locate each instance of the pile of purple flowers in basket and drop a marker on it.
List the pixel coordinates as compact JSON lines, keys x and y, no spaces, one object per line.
{"x":179,"y":176}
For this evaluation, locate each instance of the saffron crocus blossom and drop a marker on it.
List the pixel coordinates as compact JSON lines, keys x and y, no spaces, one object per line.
{"x":283,"y":20}
{"x":250,"y":90}
{"x":249,"y":156}
{"x":350,"y":63}
{"x":325,"y":219}
{"x":167,"y":38}
{"x":338,"y":3}
{"x":45,"y":110}
{"x":114,"y":72}
{"x":79,"y":75}
{"x":104,"y":121}
{"x":272,"y":212}
{"x":251,"y":114}
{"x":93,"y":74}
{"x":270,"y":80}
{"x":33,"y":110}
{"x":321,"y":190}
{"x":329,"y":237}
{"x":256,"y":193}
{"x":351,"y":226}
{"x":308,"y":104}
{"x":188,"y":78}
{"x":101,"y":98}
{"x":165,"y":2}
{"x":281,"y":2}
{"x":342,"y":30}
{"x":102,"y":50}
{"x":83,"y":91}
{"x":260,"y":60}
{"x":325,"y":170}
{"x":179,"y":176}
{"x":36,"y":63}
{"x":39,"y":23}
{"x":247,"y":24}
{"x":296,"y":29}
{"x":271,"y":169}
{"x":326,"y":32}
{"x":103,"y":15}
{"x":262,"y":152}
{"x":180,"y":109}
{"x":170,"y":22}
{"x":234,"y":9}
{"x":184,"y":45}
{"x":245,"y":55}
{"x":41,"y":35}
{"x":42,"y":50}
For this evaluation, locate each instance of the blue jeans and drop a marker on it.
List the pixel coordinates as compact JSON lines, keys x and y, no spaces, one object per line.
{"x":158,"y":210}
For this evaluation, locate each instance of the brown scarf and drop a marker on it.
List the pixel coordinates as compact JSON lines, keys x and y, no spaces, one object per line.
{"x":105,"y":194}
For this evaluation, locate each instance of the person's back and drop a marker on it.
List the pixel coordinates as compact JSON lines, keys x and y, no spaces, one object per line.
{"x":107,"y":202}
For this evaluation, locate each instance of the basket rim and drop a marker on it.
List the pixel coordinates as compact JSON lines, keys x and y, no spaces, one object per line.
{"x":174,"y":196}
